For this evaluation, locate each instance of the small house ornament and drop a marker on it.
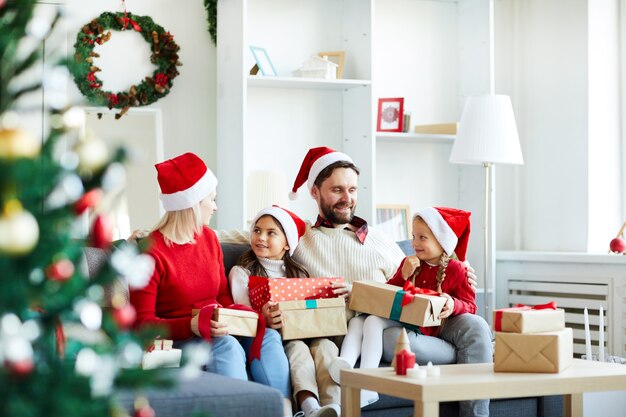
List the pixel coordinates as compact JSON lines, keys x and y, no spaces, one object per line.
{"x":318,"y":67}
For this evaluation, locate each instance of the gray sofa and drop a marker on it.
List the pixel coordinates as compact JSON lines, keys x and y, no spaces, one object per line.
{"x":225,"y":397}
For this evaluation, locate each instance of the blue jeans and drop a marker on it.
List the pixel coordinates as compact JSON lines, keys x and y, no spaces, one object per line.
{"x":465,"y":338}
{"x":273,"y":368}
{"x":227,"y":358}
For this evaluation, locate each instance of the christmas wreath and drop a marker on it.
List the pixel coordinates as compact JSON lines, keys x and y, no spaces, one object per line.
{"x":164,"y":56}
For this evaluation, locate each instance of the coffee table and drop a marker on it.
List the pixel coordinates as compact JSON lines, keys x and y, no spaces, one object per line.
{"x":478,"y":381}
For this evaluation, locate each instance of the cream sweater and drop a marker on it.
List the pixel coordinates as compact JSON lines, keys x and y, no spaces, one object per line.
{"x":327,"y":252}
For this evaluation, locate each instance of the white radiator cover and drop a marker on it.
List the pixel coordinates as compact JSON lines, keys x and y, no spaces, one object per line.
{"x":574,"y":281}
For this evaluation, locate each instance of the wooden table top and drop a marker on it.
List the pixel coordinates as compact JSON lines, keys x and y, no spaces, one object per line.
{"x":478,"y":381}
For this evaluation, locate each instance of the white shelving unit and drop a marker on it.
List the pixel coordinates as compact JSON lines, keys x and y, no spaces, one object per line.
{"x":269,"y":123}
{"x":415,"y":138}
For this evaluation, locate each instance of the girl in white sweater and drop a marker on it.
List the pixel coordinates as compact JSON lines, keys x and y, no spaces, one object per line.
{"x":274,"y":235}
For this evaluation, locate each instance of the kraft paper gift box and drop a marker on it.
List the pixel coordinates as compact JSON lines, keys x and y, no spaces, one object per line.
{"x":313,"y":318}
{"x":240,"y":322}
{"x":161,"y":355}
{"x":549,"y":352}
{"x":385,"y":300}
{"x":528,"y":320}
{"x":262,"y":290}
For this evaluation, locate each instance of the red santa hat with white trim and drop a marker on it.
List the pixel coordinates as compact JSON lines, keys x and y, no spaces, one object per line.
{"x":314,"y":162}
{"x":450,"y":226}
{"x":293,"y":225}
{"x":184,"y":181}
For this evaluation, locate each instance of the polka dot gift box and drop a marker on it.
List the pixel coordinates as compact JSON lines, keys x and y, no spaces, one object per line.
{"x":262,"y":289}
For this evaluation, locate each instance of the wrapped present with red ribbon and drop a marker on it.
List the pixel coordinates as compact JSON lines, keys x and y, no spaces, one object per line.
{"x":240,"y":322}
{"x":409,"y":304}
{"x":526,"y":319}
{"x":262,"y":290}
{"x":161,"y":354}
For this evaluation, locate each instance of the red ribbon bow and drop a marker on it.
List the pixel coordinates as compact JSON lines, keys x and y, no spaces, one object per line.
{"x":127,"y":21}
{"x":204,"y":326}
{"x":411,"y":290}
{"x":521,"y":307}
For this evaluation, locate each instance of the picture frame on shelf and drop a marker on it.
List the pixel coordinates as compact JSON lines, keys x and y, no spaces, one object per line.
{"x":390,"y":114}
{"x":263,"y":61}
{"x":395,"y":220}
{"x":338,"y":57}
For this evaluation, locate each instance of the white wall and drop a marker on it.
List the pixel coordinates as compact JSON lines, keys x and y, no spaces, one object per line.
{"x":189,"y":109}
{"x":543,"y":62}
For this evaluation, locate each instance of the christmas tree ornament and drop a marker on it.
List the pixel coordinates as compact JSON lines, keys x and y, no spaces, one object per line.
{"x":402,"y":343}
{"x":92,"y":153}
{"x":68,"y":190}
{"x":618,"y":244}
{"x":142,"y":408}
{"x":88,"y":200}
{"x":405,"y":359}
{"x":101,"y":232}
{"x":18,"y":143}
{"x":125,"y":316}
{"x":19,"y":231}
{"x":90,"y":314}
{"x":136,"y":269}
{"x":61,"y":270}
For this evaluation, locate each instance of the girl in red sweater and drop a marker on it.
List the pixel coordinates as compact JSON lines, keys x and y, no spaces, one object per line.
{"x":189,"y":274}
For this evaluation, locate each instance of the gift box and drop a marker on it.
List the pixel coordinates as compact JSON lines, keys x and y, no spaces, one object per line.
{"x":161,"y":355}
{"x":386,"y":300}
{"x":240,"y":322}
{"x":549,"y":352}
{"x":528,"y":320}
{"x":313,"y":318}
{"x":262,"y":290}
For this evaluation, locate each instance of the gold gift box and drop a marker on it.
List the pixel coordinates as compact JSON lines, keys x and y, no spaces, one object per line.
{"x":378,"y":299}
{"x":304,"y":319}
{"x":240,"y":322}
{"x":549,"y":352}
{"x":522,"y":320}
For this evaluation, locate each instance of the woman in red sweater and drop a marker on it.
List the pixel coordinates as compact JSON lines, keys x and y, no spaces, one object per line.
{"x":189,"y":274}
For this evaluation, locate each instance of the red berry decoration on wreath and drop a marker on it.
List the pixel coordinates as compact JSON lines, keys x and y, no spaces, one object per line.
{"x":147,"y":91}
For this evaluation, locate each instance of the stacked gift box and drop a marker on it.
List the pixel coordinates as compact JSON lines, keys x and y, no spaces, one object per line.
{"x":532,"y":339}
{"x":161,"y":354}
{"x":308,"y":305}
{"x":408,"y":305}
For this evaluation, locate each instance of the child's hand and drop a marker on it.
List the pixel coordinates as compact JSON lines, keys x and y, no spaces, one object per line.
{"x":411,"y":263}
{"x":448,"y":308}
{"x":342,"y":288}
{"x":273,"y":316}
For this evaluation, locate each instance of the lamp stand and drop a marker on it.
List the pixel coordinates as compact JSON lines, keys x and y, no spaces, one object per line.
{"x":487,"y":252}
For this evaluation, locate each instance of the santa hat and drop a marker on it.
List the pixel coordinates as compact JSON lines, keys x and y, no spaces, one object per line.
{"x":184,"y":181}
{"x":293,"y":225}
{"x":314,"y":162}
{"x":450,"y":226}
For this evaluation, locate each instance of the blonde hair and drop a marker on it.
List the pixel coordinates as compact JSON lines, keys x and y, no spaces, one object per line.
{"x":444,"y":259}
{"x":181,"y":226}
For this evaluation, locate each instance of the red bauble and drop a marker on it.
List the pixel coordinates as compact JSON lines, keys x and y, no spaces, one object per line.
{"x":618,"y":245}
{"x":125,"y":316}
{"x":145,"y":411}
{"x":101,"y":233}
{"x":61,"y":270}
{"x":88,"y":200}
{"x":22,"y":367}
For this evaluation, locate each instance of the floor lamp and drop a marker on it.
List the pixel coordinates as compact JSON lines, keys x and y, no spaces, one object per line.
{"x":487,"y":135}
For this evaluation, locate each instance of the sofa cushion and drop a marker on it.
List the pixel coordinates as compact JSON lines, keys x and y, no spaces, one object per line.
{"x":210,"y":394}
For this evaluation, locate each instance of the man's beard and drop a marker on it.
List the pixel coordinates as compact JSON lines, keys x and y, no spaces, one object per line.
{"x":335,"y":218}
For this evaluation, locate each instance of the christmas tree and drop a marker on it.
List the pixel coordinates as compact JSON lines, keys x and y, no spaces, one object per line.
{"x":48,"y":188}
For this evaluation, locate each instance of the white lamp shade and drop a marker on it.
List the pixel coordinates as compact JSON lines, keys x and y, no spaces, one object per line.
{"x":487,"y":132}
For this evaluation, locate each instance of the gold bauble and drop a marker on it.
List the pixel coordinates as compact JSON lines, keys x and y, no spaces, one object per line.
{"x":93,"y":154}
{"x":19,"y":231}
{"x":18,"y":143}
